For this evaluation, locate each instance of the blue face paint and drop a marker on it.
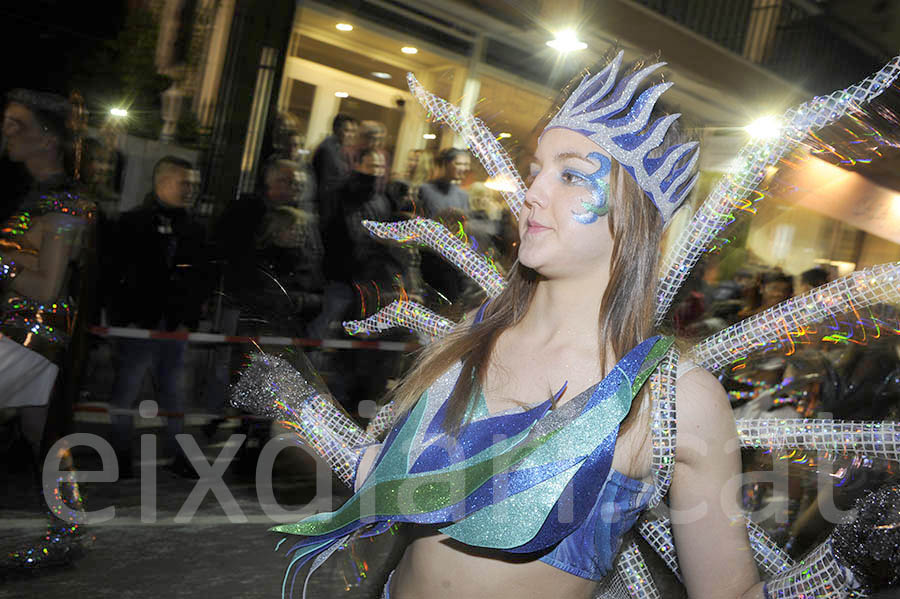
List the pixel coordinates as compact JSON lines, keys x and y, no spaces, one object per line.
{"x":597,"y":184}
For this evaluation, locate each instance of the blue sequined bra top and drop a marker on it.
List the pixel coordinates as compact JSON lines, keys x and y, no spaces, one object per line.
{"x":589,"y":551}
{"x":533,"y":482}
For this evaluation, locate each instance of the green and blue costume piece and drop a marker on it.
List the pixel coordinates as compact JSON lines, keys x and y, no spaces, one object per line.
{"x":537,"y":481}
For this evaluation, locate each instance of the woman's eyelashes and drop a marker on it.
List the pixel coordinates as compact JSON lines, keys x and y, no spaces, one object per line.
{"x":597,"y":184}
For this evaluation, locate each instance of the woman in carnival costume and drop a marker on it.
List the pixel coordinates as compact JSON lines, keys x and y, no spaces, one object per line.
{"x":44,"y":250}
{"x":530,"y":439}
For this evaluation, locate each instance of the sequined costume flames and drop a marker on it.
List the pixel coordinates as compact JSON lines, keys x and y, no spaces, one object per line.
{"x":505,"y":479}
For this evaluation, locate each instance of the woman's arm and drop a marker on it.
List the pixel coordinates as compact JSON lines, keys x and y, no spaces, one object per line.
{"x":42,"y":279}
{"x":707,"y":522}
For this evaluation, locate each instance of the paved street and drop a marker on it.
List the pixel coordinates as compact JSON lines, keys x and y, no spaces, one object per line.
{"x":209,"y":556}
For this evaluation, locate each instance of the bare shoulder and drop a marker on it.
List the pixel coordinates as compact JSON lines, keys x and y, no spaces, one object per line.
{"x":703,"y":411}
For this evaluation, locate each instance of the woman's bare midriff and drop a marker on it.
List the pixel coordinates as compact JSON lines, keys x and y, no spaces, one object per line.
{"x":437,"y":567}
{"x":434,"y":566}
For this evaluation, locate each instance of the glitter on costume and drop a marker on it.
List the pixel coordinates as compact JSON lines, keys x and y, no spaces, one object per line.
{"x":716,"y":211}
{"x":434,"y":235}
{"x":404,"y":314}
{"x":872,"y":439}
{"x":271,"y":387}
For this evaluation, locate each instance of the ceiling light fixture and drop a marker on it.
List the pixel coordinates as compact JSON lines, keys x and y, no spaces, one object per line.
{"x":381,"y":75}
{"x":429,"y":136}
{"x":341,"y":94}
{"x":566,"y":41}
{"x":409,"y":50}
{"x":344,"y":27}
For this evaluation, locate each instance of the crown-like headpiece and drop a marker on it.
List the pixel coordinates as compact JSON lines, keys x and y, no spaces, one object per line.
{"x":594,"y":110}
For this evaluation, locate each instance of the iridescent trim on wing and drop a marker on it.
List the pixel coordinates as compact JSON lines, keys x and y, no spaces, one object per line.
{"x":434,"y":235}
{"x":490,"y":153}
{"x":716,"y":211}
{"x":633,"y":570}
{"x":404,"y":314}
{"x":873,"y":439}
{"x":663,"y":424}
{"x":777,"y":326}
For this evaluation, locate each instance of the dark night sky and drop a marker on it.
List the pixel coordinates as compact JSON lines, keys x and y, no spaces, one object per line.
{"x":44,"y":42}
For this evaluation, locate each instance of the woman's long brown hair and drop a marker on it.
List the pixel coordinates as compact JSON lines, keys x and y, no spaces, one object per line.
{"x":626,"y":310}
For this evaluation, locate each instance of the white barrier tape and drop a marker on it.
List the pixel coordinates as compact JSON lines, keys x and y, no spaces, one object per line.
{"x":129,"y":333}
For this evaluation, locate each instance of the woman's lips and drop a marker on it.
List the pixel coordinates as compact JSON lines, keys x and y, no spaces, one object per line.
{"x":536,"y":227}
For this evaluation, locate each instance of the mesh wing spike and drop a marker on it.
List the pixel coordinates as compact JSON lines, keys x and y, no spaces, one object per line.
{"x":766,"y":552}
{"x":874,"y":439}
{"x":480,"y":140}
{"x":773,"y":560}
{"x":404,"y":314}
{"x":633,"y":570}
{"x":663,"y":424}
{"x":775,"y":326}
{"x":436,"y":236}
{"x":715,"y":213}
{"x":612,"y":587}
{"x":382,"y":421}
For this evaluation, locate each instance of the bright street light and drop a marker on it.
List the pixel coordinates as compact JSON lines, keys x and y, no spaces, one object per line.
{"x":120,"y":112}
{"x":566,"y":41}
{"x":765,"y":127}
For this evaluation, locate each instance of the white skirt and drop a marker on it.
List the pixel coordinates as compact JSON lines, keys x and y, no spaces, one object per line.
{"x":26,"y":377}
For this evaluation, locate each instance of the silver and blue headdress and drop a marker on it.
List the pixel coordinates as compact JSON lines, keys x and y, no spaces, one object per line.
{"x":602,"y":110}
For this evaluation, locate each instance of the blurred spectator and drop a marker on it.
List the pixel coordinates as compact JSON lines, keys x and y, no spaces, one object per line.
{"x":444,"y":193}
{"x":286,"y":139}
{"x":491,"y":224}
{"x":357,"y":266}
{"x":268,"y":233}
{"x":810,"y":279}
{"x":289,"y":247}
{"x":372,"y":135}
{"x":400,"y":194}
{"x":331,"y":164}
{"x":748,"y":283}
{"x":158,"y":281}
{"x":420,"y":170}
{"x":775,"y":287}
{"x":371,"y":261}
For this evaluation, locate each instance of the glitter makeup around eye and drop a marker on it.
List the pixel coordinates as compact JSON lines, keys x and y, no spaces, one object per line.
{"x":597,"y":183}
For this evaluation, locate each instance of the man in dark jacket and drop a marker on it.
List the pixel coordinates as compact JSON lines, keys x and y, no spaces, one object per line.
{"x":159,"y":281}
{"x":332,"y":166}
